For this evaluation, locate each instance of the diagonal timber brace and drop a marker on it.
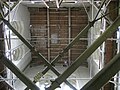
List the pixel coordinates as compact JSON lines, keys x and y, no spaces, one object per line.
{"x":83,"y":57}
{"x":84,"y":31}
{"x":60,"y":55}
{"x":32,"y":48}
{"x":19,"y":36}
{"x":70,"y":45}
{"x":18,"y":73}
{"x":103,"y":76}
{"x":60,"y":2}
{"x":54,"y":70}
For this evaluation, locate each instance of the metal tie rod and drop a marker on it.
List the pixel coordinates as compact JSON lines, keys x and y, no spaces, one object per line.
{"x":11,"y":9}
{"x":17,"y":3}
{"x":83,"y":57}
{"x":32,"y":48}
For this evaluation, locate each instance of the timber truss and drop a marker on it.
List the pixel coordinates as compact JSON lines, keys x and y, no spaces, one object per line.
{"x":94,"y":84}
